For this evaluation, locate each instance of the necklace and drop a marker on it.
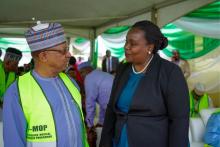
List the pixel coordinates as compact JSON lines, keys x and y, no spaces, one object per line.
{"x":145,"y":67}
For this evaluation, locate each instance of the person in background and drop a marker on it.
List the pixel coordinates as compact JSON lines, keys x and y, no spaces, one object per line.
{"x":72,"y":71}
{"x":79,"y":61}
{"x":21,"y":71}
{"x":98,"y":86}
{"x":183,"y":64}
{"x":109,"y":63}
{"x":72,"y":62}
{"x":29,"y":66}
{"x":9,"y":69}
{"x":212,"y":132}
{"x":149,"y":103}
{"x":0,"y":55}
{"x":199,"y":100}
{"x":74,"y":67}
{"x":43,"y":108}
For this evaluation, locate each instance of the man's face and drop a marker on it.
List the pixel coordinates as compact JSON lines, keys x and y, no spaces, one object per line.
{"x":108,"y":53}
{"x":58,"y":57}
{"x":198,"y":92}
{"x":176,"y":54}
{"x":10,"y":65}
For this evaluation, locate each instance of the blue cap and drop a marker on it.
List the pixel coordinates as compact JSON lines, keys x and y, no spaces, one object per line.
{"x":83,"y":65}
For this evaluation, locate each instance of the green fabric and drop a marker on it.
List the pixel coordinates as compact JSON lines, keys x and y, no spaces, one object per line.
{"x":115,"y":30}
{"x":33,"y":99}
{"x":187,"y":43}
{"x":211,"y":11}
{"x":5,"y":83}
{"x":95,"y":54}
{"x":203,"y":103}
{"x":80,"y":40}
{"x":184,"y":42}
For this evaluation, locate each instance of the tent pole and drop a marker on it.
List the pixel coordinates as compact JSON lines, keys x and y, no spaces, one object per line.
{"x":93,"y":47}
{"x":154,"y":14}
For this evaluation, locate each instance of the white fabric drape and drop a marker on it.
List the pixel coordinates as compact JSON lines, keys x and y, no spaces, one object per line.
{"x":206,"y":70}
{"x":84,"y":47}
{"x":203,"y":27}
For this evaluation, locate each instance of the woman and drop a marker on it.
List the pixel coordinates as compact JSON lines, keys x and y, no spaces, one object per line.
{"x":149,"y":104}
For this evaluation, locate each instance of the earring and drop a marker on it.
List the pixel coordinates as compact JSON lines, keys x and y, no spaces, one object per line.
{"x":149,"y":52}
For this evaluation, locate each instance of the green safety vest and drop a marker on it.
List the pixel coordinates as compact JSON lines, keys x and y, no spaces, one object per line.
{"x":5,"y":83}
{"x":203,"y":103}
{"x":41,"y":128}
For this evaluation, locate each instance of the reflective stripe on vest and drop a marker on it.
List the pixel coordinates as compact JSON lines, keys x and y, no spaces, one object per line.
{"x":5,"y":83}
{"x":41,"y":128}
{"x":203,"y":104}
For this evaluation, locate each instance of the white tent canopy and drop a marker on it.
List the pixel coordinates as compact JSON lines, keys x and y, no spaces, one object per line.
{"x":89,"y":18}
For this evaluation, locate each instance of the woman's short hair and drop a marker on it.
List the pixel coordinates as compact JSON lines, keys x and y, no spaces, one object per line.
{"x":152,"y":34}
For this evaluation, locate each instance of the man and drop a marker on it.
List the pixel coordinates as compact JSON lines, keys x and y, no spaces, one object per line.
{"x":98,"y":86}
{"x":183,"y":64}
{"x":9,"y":69}
{"x":212,"y":133}
{"x":109,"y":63}
{"x":199,"y":100}
{"x":43,"y":107}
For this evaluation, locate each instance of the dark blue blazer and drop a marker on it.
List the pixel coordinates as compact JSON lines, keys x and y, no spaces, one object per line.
{"x":159,"y":111}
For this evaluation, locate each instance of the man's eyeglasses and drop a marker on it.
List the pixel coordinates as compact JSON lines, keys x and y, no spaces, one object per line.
{"x":62,"y":52}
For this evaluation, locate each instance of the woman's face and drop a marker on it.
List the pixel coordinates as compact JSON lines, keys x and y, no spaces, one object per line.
{"x":136,"y":47}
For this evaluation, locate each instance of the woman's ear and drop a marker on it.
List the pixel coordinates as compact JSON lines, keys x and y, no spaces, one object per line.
{"x":150,"y":48}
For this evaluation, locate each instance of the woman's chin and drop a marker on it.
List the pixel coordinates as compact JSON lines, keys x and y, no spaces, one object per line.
{"x":128,"y":59}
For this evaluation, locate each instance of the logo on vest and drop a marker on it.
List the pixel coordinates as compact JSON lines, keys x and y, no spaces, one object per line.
{"x":39,"y":132}
{"x":39,"y":128}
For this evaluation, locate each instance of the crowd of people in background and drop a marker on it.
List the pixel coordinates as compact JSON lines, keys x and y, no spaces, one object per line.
{"x":9,"y":69}
{"x":57,"y":95}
